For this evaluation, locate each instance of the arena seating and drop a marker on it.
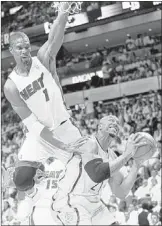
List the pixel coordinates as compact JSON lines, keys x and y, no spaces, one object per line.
{"x":32,"y":13}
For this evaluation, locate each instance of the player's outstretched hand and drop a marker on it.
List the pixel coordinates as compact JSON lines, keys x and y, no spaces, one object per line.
{"x":134,"y":141}
{"x":74,"y":147}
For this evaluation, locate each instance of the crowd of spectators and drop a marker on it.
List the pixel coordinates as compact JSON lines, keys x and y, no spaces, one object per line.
{"x":33,"y":13}
{"x":118,"y":65}
{"x":136,"y":113}
{"x":114,"y":55}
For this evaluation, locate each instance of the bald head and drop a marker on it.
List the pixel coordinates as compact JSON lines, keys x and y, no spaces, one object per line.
{"x":109,"y":124}
{"x":20,"y":48}
{"x":107,"y":119}
{"x":14,"y":37}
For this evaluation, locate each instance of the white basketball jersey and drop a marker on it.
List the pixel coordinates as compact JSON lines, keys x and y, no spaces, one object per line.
{"x":85,"y":186}
{"x":41,"y":94}
{"x":48,"y":186}
{"x":77,"y":183}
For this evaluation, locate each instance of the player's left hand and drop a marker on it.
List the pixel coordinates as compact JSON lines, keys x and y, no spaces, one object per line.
{"x":74,"y":147}
{"x":133,"y":143}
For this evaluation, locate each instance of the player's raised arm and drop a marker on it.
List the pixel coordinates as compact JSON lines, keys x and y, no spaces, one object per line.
{"x":47,"y":53}
{"x":55,"y":38}
{"x":31,"y":121}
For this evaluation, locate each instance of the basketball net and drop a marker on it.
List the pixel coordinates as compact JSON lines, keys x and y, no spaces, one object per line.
{"x":73,"y":7}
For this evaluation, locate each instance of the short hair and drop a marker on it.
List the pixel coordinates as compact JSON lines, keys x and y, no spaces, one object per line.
{"x":15,"y":35}
{"x":23,"y":177}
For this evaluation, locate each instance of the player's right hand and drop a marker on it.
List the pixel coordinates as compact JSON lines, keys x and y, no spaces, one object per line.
{"x":134,"y":141}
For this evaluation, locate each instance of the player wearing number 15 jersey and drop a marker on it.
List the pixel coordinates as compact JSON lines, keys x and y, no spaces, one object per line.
{"x":34,"y":91}
{"x":38,"y":189}
{"x":41,"y":214}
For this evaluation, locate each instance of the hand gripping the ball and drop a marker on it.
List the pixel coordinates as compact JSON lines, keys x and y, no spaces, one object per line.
{"x":133,"y":143}
{"x":147,"y":151}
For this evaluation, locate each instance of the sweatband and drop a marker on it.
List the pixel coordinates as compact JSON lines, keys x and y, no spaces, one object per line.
{"x":97,"y":170}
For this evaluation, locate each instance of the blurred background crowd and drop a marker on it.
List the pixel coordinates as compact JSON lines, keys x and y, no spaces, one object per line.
{"x":135,"y":59}
{"x":32,"y":13}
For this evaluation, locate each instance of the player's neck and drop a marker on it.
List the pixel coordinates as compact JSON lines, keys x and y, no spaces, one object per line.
{"x":104,"y":141}
{"x":23,"y":69}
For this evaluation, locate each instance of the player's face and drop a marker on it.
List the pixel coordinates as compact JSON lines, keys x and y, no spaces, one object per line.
{"x":112,"y":127}
{"x":21,"y":50}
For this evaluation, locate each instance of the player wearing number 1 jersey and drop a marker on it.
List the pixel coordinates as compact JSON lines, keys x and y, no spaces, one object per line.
{"x":34,"y":91}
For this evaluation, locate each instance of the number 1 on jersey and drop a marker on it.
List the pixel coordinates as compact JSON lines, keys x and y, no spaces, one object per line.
{"x":46,"y":95}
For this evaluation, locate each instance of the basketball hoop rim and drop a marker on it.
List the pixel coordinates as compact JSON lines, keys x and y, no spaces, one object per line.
{"x":74,"y":7}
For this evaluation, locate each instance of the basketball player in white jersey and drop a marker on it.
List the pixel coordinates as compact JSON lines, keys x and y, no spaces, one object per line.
{"x":77,"y":201}
{"x":54,"y":171}
{"x":38,"y":185}
{"x":34,"y":91}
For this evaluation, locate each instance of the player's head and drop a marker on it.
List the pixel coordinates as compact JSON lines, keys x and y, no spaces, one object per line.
{"x":109,"y":126}
{"x":24,"y":174}
{"x":20,"y":47}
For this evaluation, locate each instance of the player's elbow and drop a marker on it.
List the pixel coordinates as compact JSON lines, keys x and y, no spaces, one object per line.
{"x":97,"y":170}
{"x":117,"y":189}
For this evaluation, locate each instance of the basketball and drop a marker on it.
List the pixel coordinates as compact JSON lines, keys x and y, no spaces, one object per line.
{"x":145,"y":152}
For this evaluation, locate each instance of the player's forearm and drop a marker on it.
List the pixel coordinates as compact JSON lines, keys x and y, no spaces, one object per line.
{"x":118,"y":163}
{"x":58,"y":26}
{"x":48,"y":138}
{"x":127,"y":183}
{"x":41,"y":131}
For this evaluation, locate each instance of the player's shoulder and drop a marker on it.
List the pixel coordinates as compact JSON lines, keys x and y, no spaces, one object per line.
{"x":10,"y":89}
{"x":91,"y":145}
{"x":36,"y":61}
{"x":9,"y":85}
